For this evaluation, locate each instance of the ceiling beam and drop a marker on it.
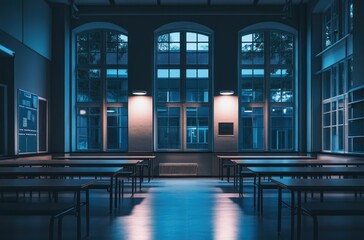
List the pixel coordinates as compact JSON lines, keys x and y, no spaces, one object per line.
{"x":251,"y":10}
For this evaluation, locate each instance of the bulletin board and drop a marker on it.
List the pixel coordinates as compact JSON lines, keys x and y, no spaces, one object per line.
{"x":27,"y":122}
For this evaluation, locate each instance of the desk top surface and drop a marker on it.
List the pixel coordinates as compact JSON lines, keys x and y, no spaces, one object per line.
{"x":44,"y":184}
{"x":85,"y":163}
{"x":121,"y":157}
{"x":320,"y":184}
{"x":296,"y":162}
{"x":89,"y":171}
{"x":266,"y":157}
{"x":308,"y":170}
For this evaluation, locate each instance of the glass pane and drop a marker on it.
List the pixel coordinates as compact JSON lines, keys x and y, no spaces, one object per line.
{"x":116,"y":85}
{"x":88,"y":128}
{"x":197,"y":131}
{"x":168,"y":128}
{"x":281,"y":128}
{"x":197,"y":85}
{"x":252,"y":128}
{"x":281,"y":85}
{"x":327,"y":139}
{"x":252,"y":85}
{"x":168,"y":85}
{"x":88,"y":85}
{"x":117,"y":128}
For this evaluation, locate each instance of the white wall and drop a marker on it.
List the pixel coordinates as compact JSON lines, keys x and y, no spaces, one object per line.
{"x":140,"y":117}
{"x":226,"y":109}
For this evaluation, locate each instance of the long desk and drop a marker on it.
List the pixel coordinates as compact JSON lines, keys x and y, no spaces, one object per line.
{"x":296,"y":186}
{"x":148,"y":158}
{"x":290,"y":163}
{"x":302,"y":172}
{"x":228,"y":158}
{"x":112,"y":173}
{"x":100,"y":163}
{"x":54,"y":185}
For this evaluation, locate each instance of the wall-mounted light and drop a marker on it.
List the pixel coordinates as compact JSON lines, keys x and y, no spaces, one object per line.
{"x":226,"y":92}
{"x":83,"y":112}
{"x":248,"y":109}
{"x":139,"y":92}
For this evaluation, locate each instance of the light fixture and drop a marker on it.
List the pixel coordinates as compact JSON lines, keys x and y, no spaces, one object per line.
{"x":226,"y":92}
{"x":139,"y":92}
{"x":248,"y":109}
{"x":83,"y":112}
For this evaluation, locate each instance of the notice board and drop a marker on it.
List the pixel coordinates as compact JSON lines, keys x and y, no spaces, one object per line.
{"x":27,"y":122}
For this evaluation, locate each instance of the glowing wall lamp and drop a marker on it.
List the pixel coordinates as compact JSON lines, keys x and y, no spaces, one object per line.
{"x":226,"y":92}
{"x":139,"y":92}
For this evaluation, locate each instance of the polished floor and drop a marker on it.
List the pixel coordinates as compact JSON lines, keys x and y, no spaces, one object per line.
{"x":183,"y":208}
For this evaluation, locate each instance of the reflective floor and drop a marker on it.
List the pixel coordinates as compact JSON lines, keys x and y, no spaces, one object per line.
{"x":184,"y":208}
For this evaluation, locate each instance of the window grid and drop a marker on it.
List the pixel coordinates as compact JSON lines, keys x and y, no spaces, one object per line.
{"x":267,"y":96}
{"x":182,"y":84}
{"x":334,"y":117}
{"x":101,"y":86}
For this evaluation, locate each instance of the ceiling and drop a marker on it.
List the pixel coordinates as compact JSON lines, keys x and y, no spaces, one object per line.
{"x":178,"y":2}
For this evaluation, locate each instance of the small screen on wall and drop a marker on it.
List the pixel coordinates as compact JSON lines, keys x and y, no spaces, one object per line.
{"x":226,"y":128}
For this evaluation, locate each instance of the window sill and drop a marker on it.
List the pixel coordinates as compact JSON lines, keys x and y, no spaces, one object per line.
{"x":334,"y":44}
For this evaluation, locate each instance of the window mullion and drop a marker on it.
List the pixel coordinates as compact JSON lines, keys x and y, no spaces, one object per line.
{"x":267,"y":68}
{"x":183,"y":67}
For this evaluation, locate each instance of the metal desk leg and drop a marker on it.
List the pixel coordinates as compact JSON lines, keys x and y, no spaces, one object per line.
{"x":279,"y":210}
{"x":298,"y":215}
{"x":87,"y":212}
{"x":78,"y":215}
{"x":292,"y":214}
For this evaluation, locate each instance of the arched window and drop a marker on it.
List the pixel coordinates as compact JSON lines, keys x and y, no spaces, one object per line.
{"x":183,"y":88}
{"x":267,"y":92}
{"x":100,"y":89}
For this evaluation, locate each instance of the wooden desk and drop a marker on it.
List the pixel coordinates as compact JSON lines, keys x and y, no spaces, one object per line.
{"x":296,"y":186}
{"x":53,"y":185}
{"x":302,"y":172}
{"x":13,"y":172}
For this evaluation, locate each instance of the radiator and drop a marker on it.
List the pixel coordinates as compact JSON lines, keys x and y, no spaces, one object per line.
{"x":178,"y":169}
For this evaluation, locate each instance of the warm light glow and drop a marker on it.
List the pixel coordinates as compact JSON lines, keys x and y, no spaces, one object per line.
{"x":139,"y":92}
{"x":226,"y":217}
{"x":226,"y":92}
{"x":138,"y":225}
{"x":83,"y":112}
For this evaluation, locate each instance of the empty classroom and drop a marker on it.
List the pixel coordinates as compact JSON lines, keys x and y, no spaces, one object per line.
{"x":181,"y":119}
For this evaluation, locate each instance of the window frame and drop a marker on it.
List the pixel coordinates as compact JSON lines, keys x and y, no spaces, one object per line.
{"x":103,"y":104}
{"x":267,"y":104}
{"x":183,"y":104}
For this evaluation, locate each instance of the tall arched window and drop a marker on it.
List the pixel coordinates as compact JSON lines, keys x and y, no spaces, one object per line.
{"x":267,"y":91}
{"x":183,"y":88}
{"x":100,"y":90}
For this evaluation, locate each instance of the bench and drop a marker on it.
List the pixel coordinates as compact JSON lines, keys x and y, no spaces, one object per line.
{"x":54,"y":210}
{"x":265,"y":185}
{"x":342,"y":208}
{"x":244,"y":174}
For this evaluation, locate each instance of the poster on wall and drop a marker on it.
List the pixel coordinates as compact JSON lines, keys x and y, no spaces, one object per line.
{"x":27,"y":122}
